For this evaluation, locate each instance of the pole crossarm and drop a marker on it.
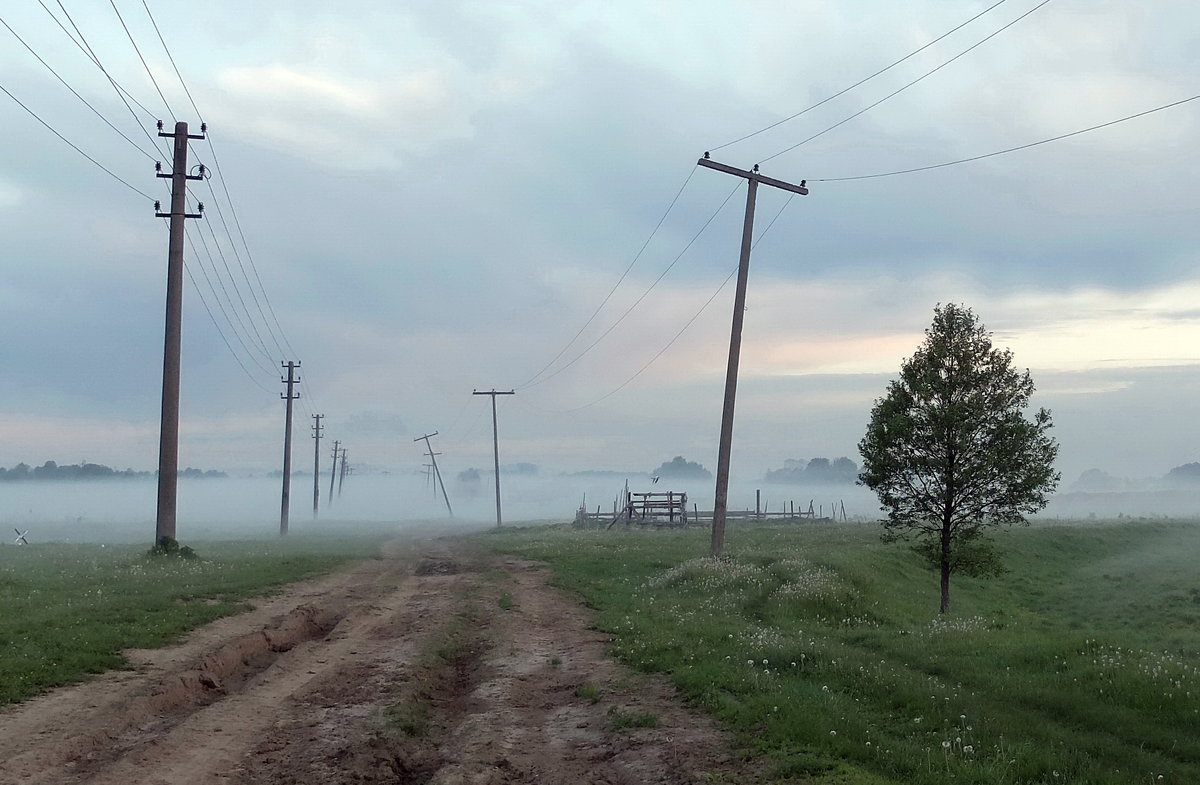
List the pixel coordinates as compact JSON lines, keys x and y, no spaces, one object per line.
{"x":753,"y":174}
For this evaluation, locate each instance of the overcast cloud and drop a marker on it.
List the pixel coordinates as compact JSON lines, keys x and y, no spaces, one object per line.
{"x":438,"y":195}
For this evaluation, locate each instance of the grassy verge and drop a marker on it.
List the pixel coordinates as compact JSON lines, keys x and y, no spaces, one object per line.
{"x":67,"y":611}
{"x":821,"y":647}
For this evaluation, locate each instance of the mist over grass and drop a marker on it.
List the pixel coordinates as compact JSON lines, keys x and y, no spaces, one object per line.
{"x":248,"y":507}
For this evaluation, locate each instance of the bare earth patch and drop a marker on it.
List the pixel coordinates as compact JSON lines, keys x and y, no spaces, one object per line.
{"x":428,"y":665}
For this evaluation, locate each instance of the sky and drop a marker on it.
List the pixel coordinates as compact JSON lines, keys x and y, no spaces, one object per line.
{"x":435,"y":197}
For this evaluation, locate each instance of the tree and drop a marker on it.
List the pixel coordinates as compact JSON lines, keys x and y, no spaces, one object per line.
{"x":949,"y":450}
{"x":680,"y":469}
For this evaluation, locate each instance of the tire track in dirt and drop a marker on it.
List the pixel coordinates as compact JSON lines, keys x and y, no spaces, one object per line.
{"x":431,"y":665}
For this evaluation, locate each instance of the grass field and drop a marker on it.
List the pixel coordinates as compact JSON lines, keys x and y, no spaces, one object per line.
{"x":67,"y":611}
{"x":821,"y":648}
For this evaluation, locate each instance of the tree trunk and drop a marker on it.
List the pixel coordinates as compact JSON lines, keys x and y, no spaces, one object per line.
{"x":945,"y":565}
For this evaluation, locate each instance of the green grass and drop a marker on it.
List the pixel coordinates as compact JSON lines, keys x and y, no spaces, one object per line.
{"x":821,"y":648}
{"x":588,"y":692}
{"x":67,"y":611}
{"x":626,"y":720}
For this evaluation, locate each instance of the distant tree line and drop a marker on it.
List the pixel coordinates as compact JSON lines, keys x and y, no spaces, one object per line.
{"x":841,"y":471}
{"x":89,"y":471}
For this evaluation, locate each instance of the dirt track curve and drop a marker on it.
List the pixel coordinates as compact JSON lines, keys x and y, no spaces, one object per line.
{"x":426,"y":665}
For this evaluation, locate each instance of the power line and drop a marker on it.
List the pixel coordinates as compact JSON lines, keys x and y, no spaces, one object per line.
{"x":608,"y":296}
{"x":237,"y":256}
{"x":643,"y":296}
{"x":139,"y":54}
{"x":82,"y":44}
{"x":220,"y":304}
{"x":1009,"y":149}
{"x":842,"y":92}
{"x":277,"y":335}
{"x":237,"y":290}
{"x":221,"y":332}
{"x":74,"y":92}
{"x":686,"y":325}
{"x":74,"y":147}
{"x":172,"y":59}
{"x":894,"y":93}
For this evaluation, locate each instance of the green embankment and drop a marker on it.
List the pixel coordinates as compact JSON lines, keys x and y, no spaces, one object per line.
{"x":67,"y":611}
{"x":821,"y":648}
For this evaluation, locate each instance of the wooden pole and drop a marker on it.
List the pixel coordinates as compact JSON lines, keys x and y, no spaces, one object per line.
{"x":753,"y":178}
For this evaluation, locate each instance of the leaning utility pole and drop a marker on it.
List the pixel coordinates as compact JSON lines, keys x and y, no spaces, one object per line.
{"x":333,"y":470}
{"x":316,"y":462}
{"x":495,"y":444}
{"x":720,"y":504}
{"x":168,"y":432}
{"x":290,"y":381}
{"x":342,"y":475}
{"x":432,"y":457}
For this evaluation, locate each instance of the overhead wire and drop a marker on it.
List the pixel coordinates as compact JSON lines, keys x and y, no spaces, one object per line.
{"x":276,"y":333}
{"x":281,"y":338}
{"x":75,"y":147}
{"x":220,"y":332}
{"x":686,"y":324}
{"x":262,"y":344}
{"x":620,"y":280}
{"x":896,"y":92}
{"x":124,"y":95}
{"x":862,"y":81}
{"x":75,"y":92}
{"x":240,"y":335}
{"x":642,"y":297}
{"x":145,"y":65}
{"x":1007,"y":149}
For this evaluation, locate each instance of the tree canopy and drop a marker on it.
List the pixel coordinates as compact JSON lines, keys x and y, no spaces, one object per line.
{"x":949,"y":450}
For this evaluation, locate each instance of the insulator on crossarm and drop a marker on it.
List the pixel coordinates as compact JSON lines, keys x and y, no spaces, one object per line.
{"x":158,"y":166}
{"x":157,"y":206}
{"x":200,"y":207}
{"x":160,"y":125}
{"x":203,"y":128}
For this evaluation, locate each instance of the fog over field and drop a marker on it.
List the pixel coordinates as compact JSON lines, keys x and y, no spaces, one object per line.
{"x":236,"y":507}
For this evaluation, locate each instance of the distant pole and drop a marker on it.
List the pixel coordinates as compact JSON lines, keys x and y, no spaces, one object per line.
{"x":333,"y":470}
{"x":168,"y":432}
{"x":720,"y":503}
{"x":316,"y":462}
{"x":436,"y":472}
{"x":289,"y":396}
{"x":342,"y":474}
{"x":495,"y":443}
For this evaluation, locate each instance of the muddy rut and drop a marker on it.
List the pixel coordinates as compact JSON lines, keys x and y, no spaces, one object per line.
{"x":430,"y":664}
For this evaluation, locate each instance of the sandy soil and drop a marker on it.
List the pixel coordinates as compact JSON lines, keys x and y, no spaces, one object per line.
{"x":427,"y":665}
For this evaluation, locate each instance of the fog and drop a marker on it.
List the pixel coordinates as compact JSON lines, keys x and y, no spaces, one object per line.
{"x":124,"y":511}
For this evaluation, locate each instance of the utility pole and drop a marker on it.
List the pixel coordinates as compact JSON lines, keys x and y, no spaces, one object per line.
{"x":290,"y":381}
{"x":333,"y":469}
{"x":316,"y":462}
{"x":432,"y":457}
{"x":168,"y":432}
{"x":495,"y":444}
{"x":430,"y":473}
{"x":720,"y":503}
{"x":342,"y":474}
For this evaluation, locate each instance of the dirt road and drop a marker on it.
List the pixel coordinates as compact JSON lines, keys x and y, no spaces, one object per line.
{"x":430,"y":664}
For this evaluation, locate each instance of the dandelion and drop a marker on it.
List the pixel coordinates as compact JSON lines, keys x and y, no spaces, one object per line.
{"x":969,"y":750}
{"x":832,"y":733}
{"x":946,"y":745}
